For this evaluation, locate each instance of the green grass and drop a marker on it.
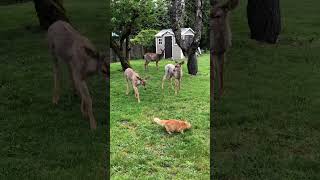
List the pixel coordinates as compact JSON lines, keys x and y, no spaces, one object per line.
{"x":267,"y":124}
{"x":141,"y":148}
{"x":37,"y":139}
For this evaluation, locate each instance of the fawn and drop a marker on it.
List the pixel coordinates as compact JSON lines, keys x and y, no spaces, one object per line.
{"x":69,"y":46}
{"x":136,"y":80}
{"x":148,"y":57}
{"x":221,"y":30}
{"x":173,"y":71}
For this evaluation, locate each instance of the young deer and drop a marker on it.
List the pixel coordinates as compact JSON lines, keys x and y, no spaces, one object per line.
{"x":69,"y":46}
{"x":148,"y":57}
{"x":136,"y":80}
{"x":173,"y":71}
{"x":221,"y":35}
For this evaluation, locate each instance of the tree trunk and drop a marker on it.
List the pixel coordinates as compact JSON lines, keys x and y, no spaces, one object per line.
{"x":176,"y":16}
{"x":119,"y":52}
{"x":212,"y":57}
{"x":192,"y":64}
{"x":264,"y":20}
{"x":49,"y":11}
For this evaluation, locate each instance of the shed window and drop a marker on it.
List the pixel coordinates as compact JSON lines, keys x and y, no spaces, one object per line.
{"x":160,"y":41}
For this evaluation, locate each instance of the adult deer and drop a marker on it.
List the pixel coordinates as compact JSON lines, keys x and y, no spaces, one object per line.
{"x":221,"y":35}
{"x":69,"y":46}
{"x":148,"y":57}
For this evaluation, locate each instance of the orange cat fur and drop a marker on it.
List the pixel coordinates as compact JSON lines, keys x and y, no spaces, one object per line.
{"x":173,"y":125}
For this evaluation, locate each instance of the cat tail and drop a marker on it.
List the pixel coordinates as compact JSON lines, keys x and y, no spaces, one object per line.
{"x":158,"y":121}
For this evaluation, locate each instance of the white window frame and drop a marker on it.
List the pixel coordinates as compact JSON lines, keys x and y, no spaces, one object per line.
{"x":160,"y":41}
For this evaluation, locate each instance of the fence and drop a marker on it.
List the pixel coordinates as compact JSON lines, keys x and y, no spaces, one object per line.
{"x":136,"y":52}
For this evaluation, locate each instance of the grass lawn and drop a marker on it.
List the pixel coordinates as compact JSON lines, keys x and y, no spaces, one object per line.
{"x":37,"y":139}
{"x":141,"y":148}
{"x":267,"y":124}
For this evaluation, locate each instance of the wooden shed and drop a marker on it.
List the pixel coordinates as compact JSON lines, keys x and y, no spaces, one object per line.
{"x":165,"y":39}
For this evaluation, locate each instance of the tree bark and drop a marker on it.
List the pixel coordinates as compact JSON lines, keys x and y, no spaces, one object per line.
{"x":119,"y":52}
{"x":49,"y":11}
{"x":264,"y":20}
{"x":177,"y":21}
{"x":212,"y":57}
{"x":192,"y":64}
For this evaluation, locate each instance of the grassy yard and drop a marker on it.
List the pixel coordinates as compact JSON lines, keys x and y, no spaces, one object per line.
{"x":37,"y":139}
{"x":267,"y":124}
{"x":141,"y":148}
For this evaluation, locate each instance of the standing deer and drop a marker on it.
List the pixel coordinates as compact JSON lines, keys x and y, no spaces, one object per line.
{"x":173,"y":71}
{"x":148,"y":57}
{"x":133,"y":77}
{"x":69,"y":46}
{"x":221,"y":35}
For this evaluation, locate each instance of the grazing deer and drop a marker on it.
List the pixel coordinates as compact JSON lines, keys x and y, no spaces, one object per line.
{"x":221,"y":35}
{"x":173,"y":71}
{"x":69,"y":46}
{"x":136,"y":80}
{"x":148,"y":57}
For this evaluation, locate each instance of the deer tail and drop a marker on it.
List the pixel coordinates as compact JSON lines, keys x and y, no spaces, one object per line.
{"x":158,"y":121}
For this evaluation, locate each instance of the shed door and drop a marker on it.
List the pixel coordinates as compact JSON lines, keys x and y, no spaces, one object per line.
{"x":188,"y":39}
{"x":168,"y":46}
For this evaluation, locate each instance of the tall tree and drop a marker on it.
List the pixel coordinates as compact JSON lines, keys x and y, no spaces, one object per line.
{"x":49,"y":11}
{"x":264,"y":20}
{"x":177,"y":21}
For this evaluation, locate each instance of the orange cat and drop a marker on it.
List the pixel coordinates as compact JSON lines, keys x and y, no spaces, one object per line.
{"x":173,"y":125}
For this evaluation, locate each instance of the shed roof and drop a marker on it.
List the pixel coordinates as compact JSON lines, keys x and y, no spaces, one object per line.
{"x":163,"y":31}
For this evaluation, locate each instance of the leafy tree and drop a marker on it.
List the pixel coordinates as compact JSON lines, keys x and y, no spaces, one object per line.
{"x":145,"y":38}
{"x":129,"y":17}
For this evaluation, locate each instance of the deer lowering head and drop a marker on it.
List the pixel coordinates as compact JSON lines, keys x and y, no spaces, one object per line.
{"x":148,"y":57}
{"x":136,"y":80}
{"x":67,"y":45}
{"x":175,"y":72}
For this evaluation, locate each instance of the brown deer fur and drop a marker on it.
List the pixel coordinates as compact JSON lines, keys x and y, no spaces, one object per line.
{"x":173,"y":71}
{"x":133,"y":77}
{"x":69,"y":46}
{"x":222,"y":35}
{"x":148,"y":57}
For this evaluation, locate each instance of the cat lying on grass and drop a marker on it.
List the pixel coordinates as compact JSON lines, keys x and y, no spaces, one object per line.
{"x":173,"y":125}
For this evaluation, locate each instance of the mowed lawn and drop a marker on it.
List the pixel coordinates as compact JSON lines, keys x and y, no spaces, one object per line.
{"x":37,"y":139}
{"x":267,"y":125}
{"x":141,"y":148}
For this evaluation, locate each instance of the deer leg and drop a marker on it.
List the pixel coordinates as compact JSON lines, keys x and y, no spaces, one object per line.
{"x":86,"y":101}
{"x":56,"y":78}
{"x":136,"y":92}
{"x":128,"y":90}
{"x":175,"y":86}
{"x":171,"y":84}
{"x":146,"y":65}
{"x":163,"y":79}
{"x":157,"y":65}
{"x":73,"y":86}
